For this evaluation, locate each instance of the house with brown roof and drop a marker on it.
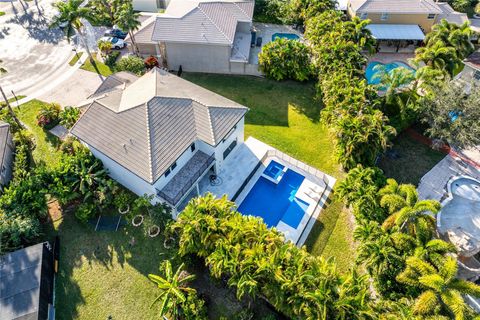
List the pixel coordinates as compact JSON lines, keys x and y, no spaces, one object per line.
{"x":199,"y":35}
{"x":160,"y":134}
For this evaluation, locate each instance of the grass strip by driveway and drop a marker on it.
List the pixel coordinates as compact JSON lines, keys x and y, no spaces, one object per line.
{"x":11,"y":100}
{"x":286,"y":116}
{"x":75,"y":58}
{"x":97,"y":67}
{"x":45,"y":143}
{"x":2,"y":13}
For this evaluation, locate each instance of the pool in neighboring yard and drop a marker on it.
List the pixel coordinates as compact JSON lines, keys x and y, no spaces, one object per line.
{"x":374,"y":67}
{"x":273,"y":198}
{"x":289,"y":36}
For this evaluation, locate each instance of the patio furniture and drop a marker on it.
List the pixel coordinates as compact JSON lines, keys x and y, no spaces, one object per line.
{"x":254,"y":38}
{"x":259,"y":41}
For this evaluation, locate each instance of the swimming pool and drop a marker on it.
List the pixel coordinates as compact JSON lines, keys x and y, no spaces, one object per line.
{"x":289,"y":36}
{"x":372,"y":70}
{"x":275,"y":202}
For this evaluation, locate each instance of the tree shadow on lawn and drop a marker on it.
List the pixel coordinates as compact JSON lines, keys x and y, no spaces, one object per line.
{"x":268,"y":100}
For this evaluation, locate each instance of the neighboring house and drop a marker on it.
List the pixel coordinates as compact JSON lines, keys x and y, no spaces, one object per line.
{"x":471,"y":72}
{"x":6,"y":153}
{"x":403,"y":23}
{"x":26,"y":284}
{"x":160,"y":134}
{"x":149,"y":5}
{"x":200,"y":35}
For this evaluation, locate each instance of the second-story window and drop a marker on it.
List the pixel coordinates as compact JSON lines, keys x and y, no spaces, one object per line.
{"x":384,"y":16}
{"x":431,"y":16}
{"x":363,"y":15}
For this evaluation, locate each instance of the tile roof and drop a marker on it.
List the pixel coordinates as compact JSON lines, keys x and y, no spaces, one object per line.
{"x":4,"y":132}
{"x":148,"y":124}
{"x":201,"y":21}
{"x":473,"y":60}
{"x":449,"y":14}
{"x":395,"y":6}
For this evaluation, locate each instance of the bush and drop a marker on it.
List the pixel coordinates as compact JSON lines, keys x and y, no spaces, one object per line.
{"x":131,"y":64}
{"x":105,"y":47}
{"x":122,"y":200}
{"x":48,"y":116}
{"x":16,"y":232}
{"x":151,"y":62}
{"x":111,"y":58}
{"x":285,"y":59}
{"x":68,"y":116}
{"x":71,"y":146}
{"x":85,"y":211}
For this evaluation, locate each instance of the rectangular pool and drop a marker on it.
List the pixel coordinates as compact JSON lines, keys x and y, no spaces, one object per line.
{"x":275,"y":202}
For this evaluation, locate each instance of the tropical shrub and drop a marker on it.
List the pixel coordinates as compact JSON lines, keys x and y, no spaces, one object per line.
{"x":461,"y":5}
{"x":122,"y":200}
{"x":85,"y":211}
{"x":111,"y":58}
{"x":71,"y":146}
{"x":285,"y":59}
{"x":16,"y":232}
{"x":48,"y":115}
{"x":131,"y":64}
{"x":257,"y":261}
{"x":104,"y":46}
{"x":151,"y":62}
{"x":68,"y":116}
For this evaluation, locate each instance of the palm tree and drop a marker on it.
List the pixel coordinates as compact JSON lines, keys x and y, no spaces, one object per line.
{"x":378,"y":253}
{"x":128,"y":21}
{"x":72,"y":13}
{"x":405,"y":210}
{"x":361,"y":35}
{"x":439,"y":56}
{"x":442,"y":291}
{"x":395,"y":81}
{"x":452,"y":35}
{"x":172,"y":287}
{"x":10,"y":110}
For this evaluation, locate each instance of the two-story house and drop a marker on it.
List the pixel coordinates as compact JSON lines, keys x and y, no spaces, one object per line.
{"x":199,"y":35}
{"x":160,"y":134}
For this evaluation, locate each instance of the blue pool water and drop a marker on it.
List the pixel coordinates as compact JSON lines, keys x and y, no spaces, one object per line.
{"x":371,"y":71}
{"x":289,"y":36}
{"x":274,"y":202}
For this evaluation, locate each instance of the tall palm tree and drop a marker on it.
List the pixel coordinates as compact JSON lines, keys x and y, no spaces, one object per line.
{"x":173,"y":288}
{"x":128,"y":20}
{"x":395,"y":81}
{"x":452,"y":35}
{"x":442,"y":290}
{"x":72,"y":13}
{"x":439,"y":56}
{"x":361,"y":35}
{"x":378,"y":253}
{"x":405,"y":210}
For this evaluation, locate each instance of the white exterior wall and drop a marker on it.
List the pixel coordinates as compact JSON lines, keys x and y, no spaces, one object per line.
{"x":238,"y":134}
{"x":124,"y":176}
{"x":7,"y":170}
{"x":145,"y":5}
{"x":198,"y":57}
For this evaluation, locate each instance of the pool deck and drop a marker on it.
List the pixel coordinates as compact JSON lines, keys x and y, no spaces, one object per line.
{"x":392,"y":57}
{"x":254,"y":156}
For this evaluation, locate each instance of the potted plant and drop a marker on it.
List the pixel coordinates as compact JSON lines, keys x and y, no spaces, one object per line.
{"x":137,"y":220}
{"x":122,"y":202}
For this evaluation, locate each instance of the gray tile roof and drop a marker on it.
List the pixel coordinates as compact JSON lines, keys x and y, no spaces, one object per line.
{"x":147,"y":125}
{"x":201,"y":21}
{"x":396,"y":6}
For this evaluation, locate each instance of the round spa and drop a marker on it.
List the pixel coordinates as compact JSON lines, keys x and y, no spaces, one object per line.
{"x":459,"y":219}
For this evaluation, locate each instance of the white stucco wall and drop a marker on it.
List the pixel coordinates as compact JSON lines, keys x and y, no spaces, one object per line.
{"x":198,"y":57}
{"x":7,"y":169}
{"x":123,"y":176}
{"x":145,"y":5}
{"x":238,"y":134}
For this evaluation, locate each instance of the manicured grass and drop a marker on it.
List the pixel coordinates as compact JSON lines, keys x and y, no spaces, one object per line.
{"x":2,"y":13}
{"x":286,"y":115}
{"x":75,"y":58}
{"x":11,"y":100}
{"x":414,"y":160}
{"x":97,"y":67}
{"x":45,"y":143}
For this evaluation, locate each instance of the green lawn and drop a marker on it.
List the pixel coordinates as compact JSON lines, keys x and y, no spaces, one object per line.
{"x":11,"y":100}
{"x":411,"y":160}
{"x":2,"y":13}
{"x":286,"y":115}
{"x":75,"y":58}
{"x":45,"y":143}
{"x":97,"y":67}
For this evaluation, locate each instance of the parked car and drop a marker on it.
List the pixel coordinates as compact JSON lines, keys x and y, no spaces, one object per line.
{"x":117,"y":33}
{"x":116,"y":42}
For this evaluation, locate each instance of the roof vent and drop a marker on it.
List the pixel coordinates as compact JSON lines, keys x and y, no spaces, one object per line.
{"x":124,"y":147}
{"x":131,"y":141}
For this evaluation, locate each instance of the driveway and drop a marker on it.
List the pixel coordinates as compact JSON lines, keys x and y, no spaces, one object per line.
{"x":35,"y":56}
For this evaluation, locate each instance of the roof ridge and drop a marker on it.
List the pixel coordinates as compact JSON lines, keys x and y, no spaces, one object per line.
{"x":210,"y":127}
{"x":149,"y":144}
{"x":236,"y":4}
{"x":213,"y":22}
